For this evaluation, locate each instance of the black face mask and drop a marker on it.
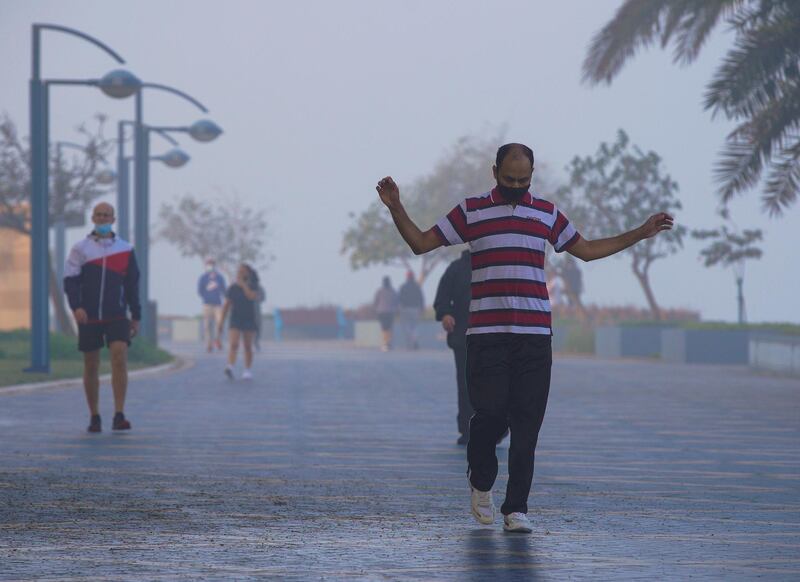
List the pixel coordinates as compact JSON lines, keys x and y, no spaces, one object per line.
{"x":512,"y":194}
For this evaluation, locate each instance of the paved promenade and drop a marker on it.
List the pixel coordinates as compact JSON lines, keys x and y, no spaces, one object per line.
{"x":341,"y":464}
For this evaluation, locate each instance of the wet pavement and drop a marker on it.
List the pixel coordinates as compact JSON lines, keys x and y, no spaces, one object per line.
{"x":341,"y":464}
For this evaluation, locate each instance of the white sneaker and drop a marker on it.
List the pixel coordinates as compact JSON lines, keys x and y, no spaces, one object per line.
{"x":482,"y":505}
{"x":229,"y":372}
{"x":517,"y":522}
{"x":247,"y":375}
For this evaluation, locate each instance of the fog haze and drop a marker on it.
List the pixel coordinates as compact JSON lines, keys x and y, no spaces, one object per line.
{"x":318,"y":100}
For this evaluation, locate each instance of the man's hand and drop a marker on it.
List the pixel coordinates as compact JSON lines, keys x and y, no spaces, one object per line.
{"x":655,"y":224}
{"x":134,"y":328}
{"x":389,"y":193}
{"x":448,"y":323}
{"x":80,"y":316}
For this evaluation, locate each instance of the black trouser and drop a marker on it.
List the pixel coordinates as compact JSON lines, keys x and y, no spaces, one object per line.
{"x":464,"y":407}
{"x":508,"y":377}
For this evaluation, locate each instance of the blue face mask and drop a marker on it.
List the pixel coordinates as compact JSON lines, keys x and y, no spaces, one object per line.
{"x":102,"y":229}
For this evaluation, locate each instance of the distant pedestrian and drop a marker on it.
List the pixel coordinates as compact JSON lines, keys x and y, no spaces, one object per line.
{"x":411,"y":304}
{"x":385,"y":305}
{"x":211,"y":288}
{"x":509,"y":352}
{"x":101,"y":281}
{"x":452,"y":309}
{"x":241,"y":302}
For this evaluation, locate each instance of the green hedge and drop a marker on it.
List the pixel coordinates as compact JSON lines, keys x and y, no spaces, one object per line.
{"x":15,"y":345}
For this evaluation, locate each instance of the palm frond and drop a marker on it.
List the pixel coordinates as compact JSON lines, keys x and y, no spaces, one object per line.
{"x":638,"y":23}
{"x":693,"y":22}
{"x":783,"y":183}
{"x":635,"y":25}
{"x":751,"y":144}
{"x":756,"y":70}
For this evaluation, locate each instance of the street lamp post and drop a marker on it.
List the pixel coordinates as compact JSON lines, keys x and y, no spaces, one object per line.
{"x":142,"y":199}
{"x":174,"y":158}
{"x":117,"y":84}
{"x":123,"y":182}
{"x":59,"y":210}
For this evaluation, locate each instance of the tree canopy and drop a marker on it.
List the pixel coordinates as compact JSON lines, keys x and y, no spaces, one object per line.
{"x":464,"y":170}
{"x":224,"y":230}
{"x":617,"y":190}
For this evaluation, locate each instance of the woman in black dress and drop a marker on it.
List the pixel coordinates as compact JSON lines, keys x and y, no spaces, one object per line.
{"x":241,"y":301}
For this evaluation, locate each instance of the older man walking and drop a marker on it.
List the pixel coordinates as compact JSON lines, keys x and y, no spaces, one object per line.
{"x":102,"y":286}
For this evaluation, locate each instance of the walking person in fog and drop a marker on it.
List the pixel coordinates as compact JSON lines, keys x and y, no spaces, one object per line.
{"x":508,"y":338}
{"x":241,"y":302}
{"x":101,"y":281}
{"x":211,"y":289}
{"x":385,"y":305}
{"x":411,"y":304}
{"x":452,"y":309}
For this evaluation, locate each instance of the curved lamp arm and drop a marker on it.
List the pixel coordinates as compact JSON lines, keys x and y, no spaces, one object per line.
{"x":177,"y":92}
{"x":158,"y":130}
{"x":165,"y":135}
{"x":37,"y":28}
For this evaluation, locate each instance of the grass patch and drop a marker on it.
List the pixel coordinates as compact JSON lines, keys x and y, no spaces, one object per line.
{"x":65,"y":359}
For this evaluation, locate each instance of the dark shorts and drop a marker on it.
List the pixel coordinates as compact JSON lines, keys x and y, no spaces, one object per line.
{"x":386,"y":319}
{"x":93,"y":336}
{"x":243,"y":324}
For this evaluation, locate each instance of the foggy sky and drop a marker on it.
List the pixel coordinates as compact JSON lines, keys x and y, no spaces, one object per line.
{"x":318,"y":100}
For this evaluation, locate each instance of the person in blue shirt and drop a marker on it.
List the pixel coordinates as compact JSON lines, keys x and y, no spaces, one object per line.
{"x":211,"y":288}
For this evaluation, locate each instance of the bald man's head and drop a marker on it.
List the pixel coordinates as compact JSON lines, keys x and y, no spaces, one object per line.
{"x":513,"y":152}
{"x":513,"y":171}
{"x":103,"y":218}
{"x":103,"y":209}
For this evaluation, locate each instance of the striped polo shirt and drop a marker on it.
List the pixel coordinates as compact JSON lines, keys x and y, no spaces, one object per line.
{"x":507,"y":244}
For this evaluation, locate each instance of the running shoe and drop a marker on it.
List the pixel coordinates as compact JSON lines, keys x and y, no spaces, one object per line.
{"x":517,"y":523}
{"x":247,"y":375}
{"x":229,"y":372}
{"x":482,"y":505}
{"x":95,"y":424}
{"x":120,"y":422}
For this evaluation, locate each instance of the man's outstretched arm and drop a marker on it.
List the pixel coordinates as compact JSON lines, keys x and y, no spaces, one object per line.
{"x":589,"y":250}
{"x":420,"y":242}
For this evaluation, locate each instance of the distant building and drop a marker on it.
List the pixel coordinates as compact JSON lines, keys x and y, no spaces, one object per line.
{"x":15,"y":283}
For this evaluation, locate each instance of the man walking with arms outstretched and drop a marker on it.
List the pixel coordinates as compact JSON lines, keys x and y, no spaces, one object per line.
{"x":101,"y":281}
{"x":508,"y":339}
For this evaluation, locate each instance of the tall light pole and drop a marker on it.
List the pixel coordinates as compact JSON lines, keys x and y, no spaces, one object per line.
{"x":118,"y":84}
{"x":59,"y":208}
{"x":174,"y":158}
{"x":142,"y":203}
{"x":123,"y":181}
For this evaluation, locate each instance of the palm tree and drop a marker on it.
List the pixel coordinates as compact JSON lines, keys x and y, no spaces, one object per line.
{"x":757,"y":84}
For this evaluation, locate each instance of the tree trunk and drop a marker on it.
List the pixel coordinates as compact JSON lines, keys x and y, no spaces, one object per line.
{"x":59,"y":305}
{"x":644,"y":281}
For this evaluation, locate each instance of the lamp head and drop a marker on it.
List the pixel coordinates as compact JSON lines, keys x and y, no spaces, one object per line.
{"x":205,"y":130}
{"x":175,"y":158}
{"x":119,"y":84}
{"x":106,"y":176}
